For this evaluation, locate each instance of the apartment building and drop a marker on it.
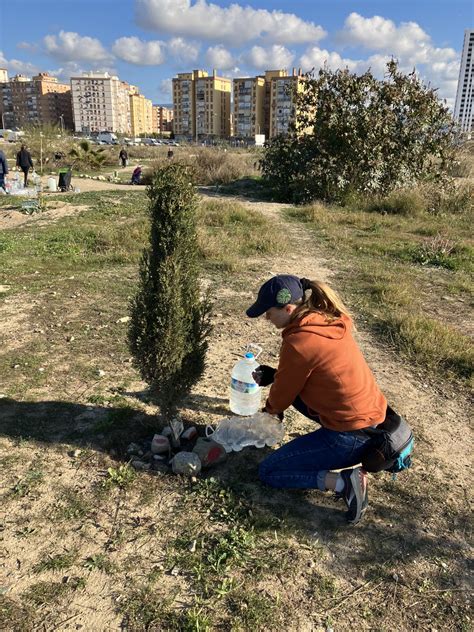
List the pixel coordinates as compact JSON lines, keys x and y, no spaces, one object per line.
{"x":249,"y":107}
{"x":41,"y":100}
{"x":101,"y":102}
{"x":201,"y":105}
{"x":283,"y":88}
{"x":141,"y":113}
{"x":464,"y":107}
{"x":7,"y":118}
{"x":162,"y":119}
{"x":213,"y":97}
{"x":184,"y":103}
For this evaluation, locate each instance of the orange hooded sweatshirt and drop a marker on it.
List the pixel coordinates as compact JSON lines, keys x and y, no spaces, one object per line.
{"x":321,"y":362}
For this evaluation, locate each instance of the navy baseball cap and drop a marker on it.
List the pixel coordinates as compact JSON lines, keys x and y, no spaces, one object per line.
{"x":276,"y":292}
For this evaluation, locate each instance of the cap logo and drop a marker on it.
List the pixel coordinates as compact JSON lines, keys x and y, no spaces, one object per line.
{"x":284,"y":296}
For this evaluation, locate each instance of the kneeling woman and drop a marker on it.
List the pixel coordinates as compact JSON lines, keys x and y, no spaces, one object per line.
{"x":323,"y":374}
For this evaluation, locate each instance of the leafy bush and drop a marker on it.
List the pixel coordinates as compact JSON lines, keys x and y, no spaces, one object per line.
{"x":360,"y":134}
{"x":169,"y":324}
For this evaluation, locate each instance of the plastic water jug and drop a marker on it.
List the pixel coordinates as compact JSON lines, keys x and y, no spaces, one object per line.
{"x":52,"y":185}
{"x":245,"y":393}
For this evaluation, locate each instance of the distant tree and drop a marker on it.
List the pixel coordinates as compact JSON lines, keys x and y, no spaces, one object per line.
{"x":170,"y":325}
{"x":360,"y":134}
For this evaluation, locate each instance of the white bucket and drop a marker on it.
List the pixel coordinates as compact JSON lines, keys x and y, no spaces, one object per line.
{"x":52,"y":185}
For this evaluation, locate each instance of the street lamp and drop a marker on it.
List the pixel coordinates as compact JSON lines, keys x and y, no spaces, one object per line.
{"x":61,"y":120}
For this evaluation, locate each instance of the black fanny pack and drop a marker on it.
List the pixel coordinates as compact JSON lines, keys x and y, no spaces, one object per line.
{"x":390,"y":446}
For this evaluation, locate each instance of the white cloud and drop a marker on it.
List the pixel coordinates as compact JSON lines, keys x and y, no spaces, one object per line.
{"x":32,"y":48}
{"x":219,"y":57}
{"x":234,"y":24}
{"x":408,"y":41}
{"x":135,"y":51}
{"x":316,"y":58}
{"x":70,"y":46}
{"x":16,"y":66}
{"x":270,"y":58}
{"x":182,"y":51}
{"x":165,"y":90}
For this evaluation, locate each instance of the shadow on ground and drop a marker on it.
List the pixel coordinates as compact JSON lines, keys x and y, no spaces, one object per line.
{"x":403,"y":523}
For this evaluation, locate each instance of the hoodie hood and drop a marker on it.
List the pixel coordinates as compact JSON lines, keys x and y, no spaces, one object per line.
{"x":318,"y":324}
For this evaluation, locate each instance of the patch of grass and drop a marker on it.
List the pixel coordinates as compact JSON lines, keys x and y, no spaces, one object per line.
{"x":144,"y":609}
{"x":99,"y":562}
{"x":47,"y":593}
{"x":250,"y":610}
{"x":122,"y":477}
{"x":444,"y":253}
{"x":26,"y":485}
{"x":229,"y":232}
{"x":434,"y":345}
{"x":58,"y":562}
{"x":73,"y":505}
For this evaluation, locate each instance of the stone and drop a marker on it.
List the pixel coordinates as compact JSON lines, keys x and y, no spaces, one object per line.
{"x":124,"y":319}
{"x":190,"y":434}
{"x":100,"y":373}
{"x":209,"y":452}
{"x":166,"y":432}
{"x":160,"y":444}
{"x":140,"y":465}
{"x":187,"y":463}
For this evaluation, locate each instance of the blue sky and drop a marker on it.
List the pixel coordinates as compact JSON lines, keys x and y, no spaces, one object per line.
{"x":146,"y":42}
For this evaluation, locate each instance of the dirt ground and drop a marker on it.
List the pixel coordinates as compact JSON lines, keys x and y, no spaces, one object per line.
{"x":10,"y":217}
{"x":439,"y":414}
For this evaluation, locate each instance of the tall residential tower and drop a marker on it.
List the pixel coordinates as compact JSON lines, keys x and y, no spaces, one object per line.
{"x":464,"y":108}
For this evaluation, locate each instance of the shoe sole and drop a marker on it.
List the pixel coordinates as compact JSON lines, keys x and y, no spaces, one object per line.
{"x":356,"y":486}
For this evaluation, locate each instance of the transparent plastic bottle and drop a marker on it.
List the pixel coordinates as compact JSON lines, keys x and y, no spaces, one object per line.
{"x":245,"y":393}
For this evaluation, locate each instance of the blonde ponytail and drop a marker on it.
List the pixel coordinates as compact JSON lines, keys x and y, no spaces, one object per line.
{"x":322,"y":299}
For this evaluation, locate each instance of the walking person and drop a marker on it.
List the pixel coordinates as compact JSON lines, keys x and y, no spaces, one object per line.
{"x":24,"y":162}
{"x":123,"y":157}
{"x":3,"y":170}
{"x":323,"y":374}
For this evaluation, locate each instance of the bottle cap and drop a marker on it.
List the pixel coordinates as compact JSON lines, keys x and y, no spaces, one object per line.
{"x":249,"y":355}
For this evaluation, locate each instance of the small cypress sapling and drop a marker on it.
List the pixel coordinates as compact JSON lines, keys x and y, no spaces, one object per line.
{"x":170,"y":324}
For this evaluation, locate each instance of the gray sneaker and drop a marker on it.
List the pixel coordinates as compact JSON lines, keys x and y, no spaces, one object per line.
{"x":355,"y":493}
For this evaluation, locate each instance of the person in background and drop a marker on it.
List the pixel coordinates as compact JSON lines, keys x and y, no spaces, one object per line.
{"x":323,"y":374}
{"x":137,"y":175}
{"x":123,"y":157}
{"x":3,"y":169}
{"x":24,"y":162}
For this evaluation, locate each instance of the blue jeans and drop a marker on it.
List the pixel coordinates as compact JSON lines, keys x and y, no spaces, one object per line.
{"x":304,"y":462}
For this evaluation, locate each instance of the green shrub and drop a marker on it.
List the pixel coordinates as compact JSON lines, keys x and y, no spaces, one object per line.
{"x":358,"y":133}
{"x":169,"y":324}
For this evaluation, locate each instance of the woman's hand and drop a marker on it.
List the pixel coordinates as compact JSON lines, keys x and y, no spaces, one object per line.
{"x":279,"y":415}
{"x":264,"y":375}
